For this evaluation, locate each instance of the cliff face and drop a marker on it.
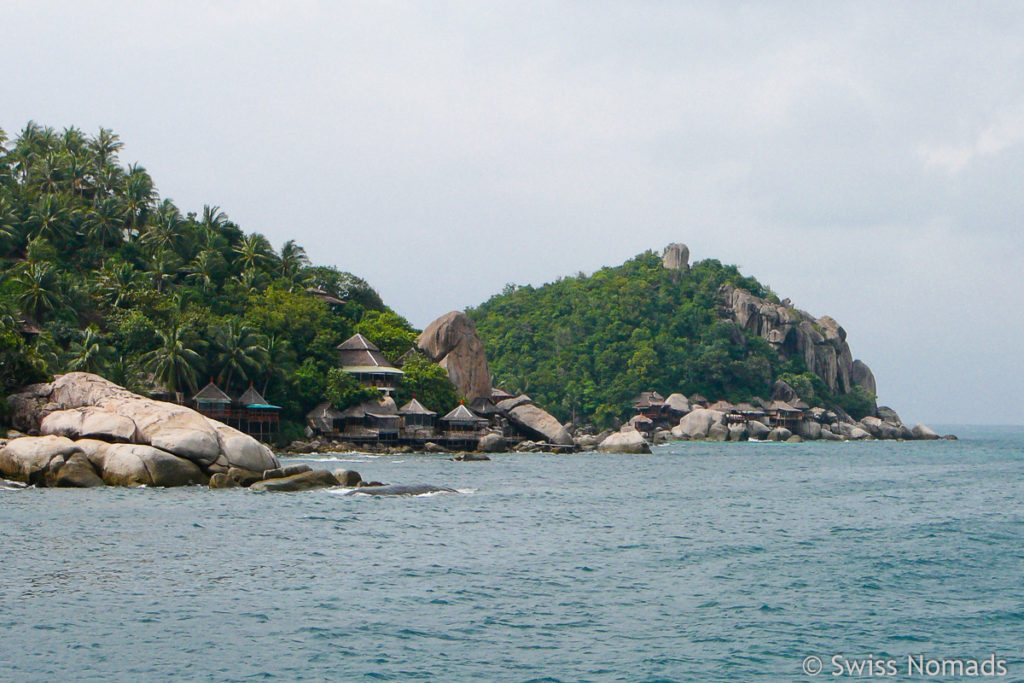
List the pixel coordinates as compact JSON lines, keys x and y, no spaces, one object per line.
{"x":821,"y":342}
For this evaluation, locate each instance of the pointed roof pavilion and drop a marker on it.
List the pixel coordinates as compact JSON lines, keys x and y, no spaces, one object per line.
{"x":254,"y":399}
{"x":359,"y":355}
{"x":211,"y":393}
{"x":462,"y":414}
{"x":414,"y":407}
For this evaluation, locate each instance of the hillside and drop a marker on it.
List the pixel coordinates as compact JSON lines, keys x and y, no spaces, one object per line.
{"x":99,"y":273}
{"x":586,"y":345}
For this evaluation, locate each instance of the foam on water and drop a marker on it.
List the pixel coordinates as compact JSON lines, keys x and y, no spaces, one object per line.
{"x":698,"y":562}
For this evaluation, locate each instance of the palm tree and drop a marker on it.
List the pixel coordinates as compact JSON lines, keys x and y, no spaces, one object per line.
{"x":40,"y":292}
{"x":50,"y":219}
{"x":11,"y":235}
{"x":165,"y":231}
{"x":280,"y":360}
{"x":240,"y":352}
{"x":293,"y":260}
{"x":138,"y":197}
{"x":91,"y":353}
{"x":254,"y":252}
{"x":251,"y":280}
{"x":174,"y":364}
{"x":116,"y":284}
{"x":205,"y":270}
{"x":104,"y":147}
{"x":163,"y":267}
{"x":105,"y":223}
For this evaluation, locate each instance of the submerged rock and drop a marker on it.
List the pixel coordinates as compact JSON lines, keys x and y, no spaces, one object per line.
{"x":314,"y":479}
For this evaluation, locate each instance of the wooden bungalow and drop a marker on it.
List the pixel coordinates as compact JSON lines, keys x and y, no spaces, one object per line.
{"x":650,"y":404}
{"x":255,"y":416}
{"x":364,"y":360}
{"x":372,"y":421}
{"x":418,"y":422}
{"x":212,"y":402}
{"x":325,"y":419}
{"x":331,"y":301}
{"x":462,"y":425}
{"x":782,"y":414}
{"x":499,"y":395}
{"x":642,"y":423}
{"x":745,"y":412}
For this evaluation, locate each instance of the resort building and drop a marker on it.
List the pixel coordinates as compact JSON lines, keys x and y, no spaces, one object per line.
{"x":255,"y":416}
{"x":364,"y":360}
{"x":418,"y":422}
{"x":212,"y":402}
{"x":461,"y":425}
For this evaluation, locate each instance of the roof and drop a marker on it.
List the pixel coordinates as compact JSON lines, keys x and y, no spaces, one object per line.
{"x":498,"y":395}
{"x":697,"y":398}
{"x":483,"y":406}
{"x":748,"y":408}
{"x":723,"y":406}
{"x":462,"y":414}
{"x":359,"y":355}
{"x":324,"y":296}
{"x":262,"y":406}
{"x":324,"y":411}
{"x":646,"y":399}
{"x":251,"y":397}
{"x":374,"y":369}
{"x":783,"y":406}
{"x":414,"y":407}
{"x":640,"y":418}
{"x":211,"y":393}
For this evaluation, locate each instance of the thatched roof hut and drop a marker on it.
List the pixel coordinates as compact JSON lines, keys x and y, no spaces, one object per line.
{"x":358,"y":354}
{"x":698,"y":400}
{"x":462,"y":415}
{"x":414,"y":407}
{"x":211,"y":394}
{"x":322,"y":417}
{"x":499,"y":395}
{"x":648,"y":399}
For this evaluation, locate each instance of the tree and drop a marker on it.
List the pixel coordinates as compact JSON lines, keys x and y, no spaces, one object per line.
{"x":344,"y":391}
{"x":428,"y":382}
{"x":239,"y":353}
{"x":92,"y":353}
{"x":174,"y":363}
{"x":390,"y":332}
{"x":39,"y":289}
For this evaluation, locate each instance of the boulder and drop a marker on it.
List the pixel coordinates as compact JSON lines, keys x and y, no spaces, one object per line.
{"x":889,"y":415}
{"x":139,"y":465}
{"x":679,"y":434}
{"x":491,"y":443}
{"x":588,"y":442}
{"x":431,"y":447}
{"x":244,"y":477}
{"x":314,"y":479}
{"x":678,"y":404}
{"x":738,"y":432}
{"x":779,"y":434}
{"x":859,"y":434}
{"x":758,"y":430}
{"x":630,"y":441}
{"x":809,"y":429}
{"x":89,"y":422}
{"x":30,"y":459}
{"x":676,"y":257}
{"x":510,"y":403}
{"x":470,"y":457}
{"x":922,"y":432}
{"x":718,"y":432}
{"x":829,"y":435}
{"x":540,"y":424}
{"x":795,"y":438}
{"x":697,"y":423}
{"x":221,"y":480}
{"x":77,"y":472}
{"x":348,"y":478}
{"x":289,"y":470}
{"x":861,"y":376}
{"x":243,"y":451}
{"x":452,"y":341}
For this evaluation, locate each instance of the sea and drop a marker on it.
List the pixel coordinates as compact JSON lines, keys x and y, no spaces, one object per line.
{"x":699,"y":562}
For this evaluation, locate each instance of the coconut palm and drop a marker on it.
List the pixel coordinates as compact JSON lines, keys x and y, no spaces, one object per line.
{"x":163,"y":267}
{"x":104,"y":147}
{"x":11,"y":235}
{"x":293,"y":260}
{"x":49,"y":218}
{"x":174,"y":363}
{"x":116,"y":284}
{"x":105,"y":223}
{"x":240,"y":352}
{"x":254,"y":252}
{"x":39,"y":289}
{"x":91,"y":353}
{"x":205,"y":270}
{"x":138,"y":197}
{"x":280,"y":360}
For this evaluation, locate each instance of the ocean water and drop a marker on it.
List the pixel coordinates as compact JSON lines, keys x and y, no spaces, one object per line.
{"x":699,"y":562}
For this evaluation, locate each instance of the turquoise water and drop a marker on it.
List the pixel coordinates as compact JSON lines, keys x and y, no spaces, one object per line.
{"x":700,"y":562}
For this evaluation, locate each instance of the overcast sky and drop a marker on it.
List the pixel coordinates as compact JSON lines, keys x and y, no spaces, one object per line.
{"x":864,"y":159}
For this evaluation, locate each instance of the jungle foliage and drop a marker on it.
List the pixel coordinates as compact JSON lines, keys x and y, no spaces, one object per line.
{"x":120,"y":282}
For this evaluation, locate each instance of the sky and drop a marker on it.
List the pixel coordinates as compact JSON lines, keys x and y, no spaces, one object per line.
{"x":863,"y":159}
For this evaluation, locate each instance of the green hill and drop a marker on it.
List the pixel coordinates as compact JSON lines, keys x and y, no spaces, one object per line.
{"x":586,"y":345}
{"x":117,"y":280}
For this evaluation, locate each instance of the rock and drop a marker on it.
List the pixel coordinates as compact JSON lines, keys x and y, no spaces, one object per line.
{"x":452,"y":342}
{"x":77,"y":472}
{"x":510,"y":403}
{"x":924,"y":433}
{"x":950,"y":437}
{"x":470,"y":457}
{"x":659,"y":436}
{"x":314,"y":479}
{"x":795,"y":438}
{"x":676,"y":257}
{"x":525,"y":446}
{"x":539,"y":423}
{"x":678,"y":404}
{"x":630,"y":441}
{"x":861,"y":376}
{"x":139,"y":465}
{"x":819,"y":342}
{"x":697,"y":423}
{"x":431,"y":447}
{"x":301,"y":447}
{"x":400,"y":490}
{"x":347,"y":478}
{"x":243,"y":451}
{"x":289,"y":470}
{"x":246,"y":478}
{"x":779,"y":434}
{"x":89,"y":422}
{"x":30,"y":459}
{"x":718,"y":432}
{"x":859,"y":434}
{"x":809,"y":429}
{"x":491,"y":443}
{"x":889,"y":415}
{"x":221,"y":480}
{"x":758,"y":430}
{"x":738,"y":432}
{"x":588,"y":442}
{"x":829,"y":435}
{"x":679,"y":434}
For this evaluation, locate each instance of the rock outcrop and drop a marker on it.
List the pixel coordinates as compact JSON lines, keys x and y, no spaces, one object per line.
{"x":676,"y":257}
{"x":452,"y":342}
{"x":127,"y":439}
{"x":535,"y":421}
{"x":820,"y":342}
{"x":628,"y":440}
